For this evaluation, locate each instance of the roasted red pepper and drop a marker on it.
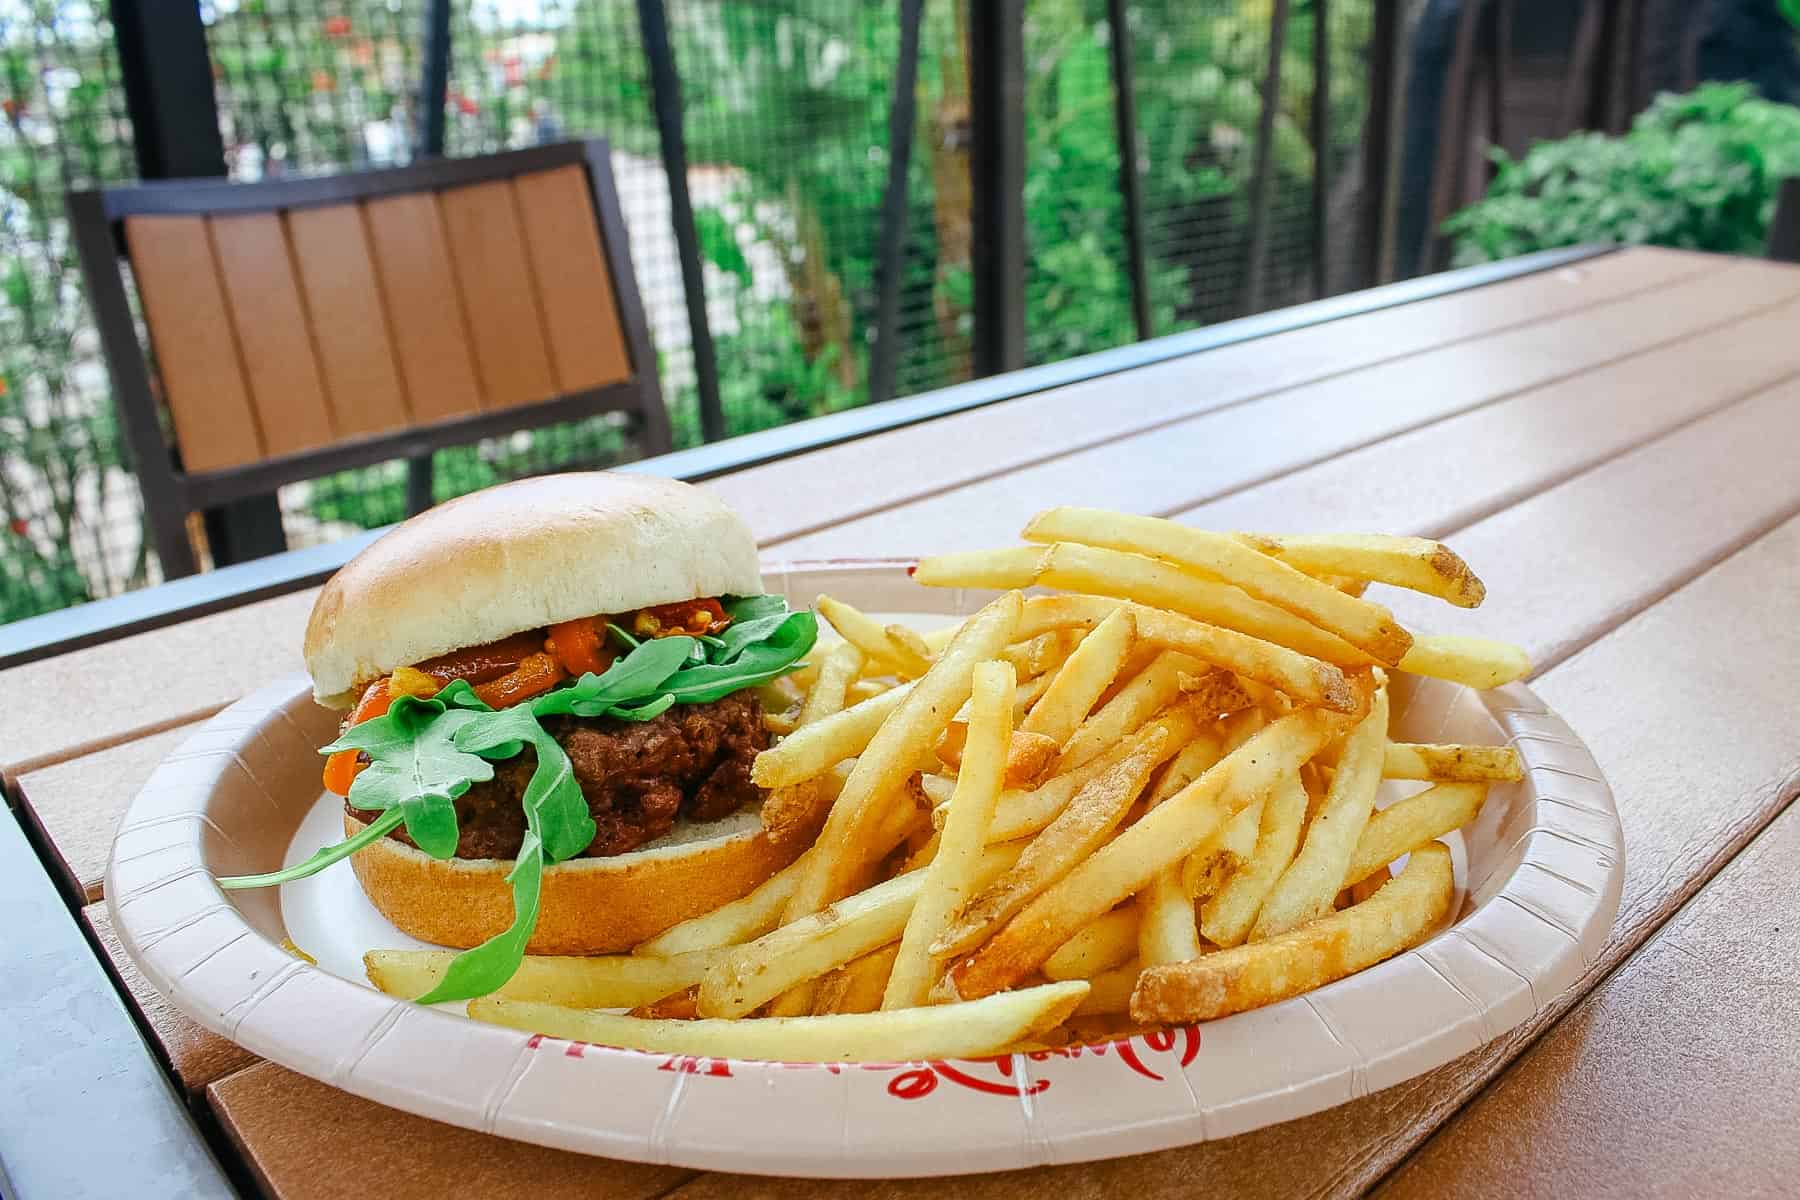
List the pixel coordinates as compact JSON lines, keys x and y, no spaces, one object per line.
{"x":579,"y":647}
{"x":538,"y":673}
{"x":480,"y":664}
{"x":341,"y":768}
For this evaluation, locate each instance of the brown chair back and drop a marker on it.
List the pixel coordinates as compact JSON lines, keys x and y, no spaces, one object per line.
{"x":305,"y":326}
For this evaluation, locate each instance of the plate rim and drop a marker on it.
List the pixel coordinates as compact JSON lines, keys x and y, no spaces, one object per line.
{"x":200,"y":951}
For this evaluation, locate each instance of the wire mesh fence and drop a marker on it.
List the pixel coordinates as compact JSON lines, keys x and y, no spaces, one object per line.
{"x":785,"y":110}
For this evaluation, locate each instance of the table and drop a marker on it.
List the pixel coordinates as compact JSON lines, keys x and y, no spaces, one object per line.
{"x":1607,"y":437}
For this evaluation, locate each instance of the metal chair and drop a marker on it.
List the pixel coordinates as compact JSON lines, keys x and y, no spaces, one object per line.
{"x":306,"y":326}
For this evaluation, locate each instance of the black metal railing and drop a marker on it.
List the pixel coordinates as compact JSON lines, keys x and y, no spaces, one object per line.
{"x":830,"y":203}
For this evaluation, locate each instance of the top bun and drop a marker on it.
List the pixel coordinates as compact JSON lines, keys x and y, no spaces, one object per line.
{"x":517,"y":557}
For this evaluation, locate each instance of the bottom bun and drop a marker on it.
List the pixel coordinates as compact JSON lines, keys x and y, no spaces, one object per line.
{"x":588,"y":905}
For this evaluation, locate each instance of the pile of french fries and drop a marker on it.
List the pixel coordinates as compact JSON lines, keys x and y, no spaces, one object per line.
{"x":1144,"y":794}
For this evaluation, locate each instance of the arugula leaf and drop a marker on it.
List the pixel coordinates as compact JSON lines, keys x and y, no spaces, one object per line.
{"x":377,"y":829}
{"x":749,"y":608}
{"x":759,"y":662}
{"x":554,"y":806}
{"x":487,"y":967}
{"x":415,"y":766}
{"x":647,"y":711}
{"x":640,"y":673}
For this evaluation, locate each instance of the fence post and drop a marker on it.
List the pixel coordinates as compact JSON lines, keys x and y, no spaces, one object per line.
{"x":997,"y":169}
{"x":884,"y":356}
{"x":1378,"y":143}
{"x":167,"y":73}
{"x":1131,"y":188}
{"x":1258,"y":243}
{"x":665,"y":97}
{"x":1321,"y":140}
{"x":434,"y":80}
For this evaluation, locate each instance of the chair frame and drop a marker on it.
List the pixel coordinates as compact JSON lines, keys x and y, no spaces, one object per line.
{"x":170,"y":493}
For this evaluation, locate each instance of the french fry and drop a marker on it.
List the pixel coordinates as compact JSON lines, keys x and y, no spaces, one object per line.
{"x":1013,"y":567}
{"x":757,"y":913}
{"x":1076,"y":832}
{"x":867,"y":689}
{"x":794,"y":811}
{"x":1146,"y":695}
{"x":1045,"y":652}
{"x":1021,"y":813}
{"x":1366,"y":887}
{"x":817,"y":748}
{"x":1109,"y":991}
{"x":1209,"y":868}
{"x":1082,"y":677}
{"x":1028,"y":755}
{"x":1418,"y":564}
{"x":842,"y":664}
{"x":888,"y":759}
{"x":1166,"y":834}
{"x":1401,"y":914}
{"x":603,"y":981}
{"x":1405,"y":825}
{"x":949,"y":881}
{"x":944,"y":1031}
{"x":909,"y":639}
{"x":1363,"y":624}
{"x":1166,"y":929}
{"x":1452,"y":763}
{"x":867,"y":635}
{"x":857,"y":986}
{"x":681,"y":1006}
{"x":1148,"y":581}
{"x":1308,"y":886}
{"x":746,"y":977}
{"x":1216,"y":691}
{"x":1304,"y":678}
{"x":1471,"y":661}
{"x":1101,"y":945}
{"x":1226,"y":917}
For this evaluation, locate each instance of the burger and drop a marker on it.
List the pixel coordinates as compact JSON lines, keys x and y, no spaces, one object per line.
{"x":551,"y":698}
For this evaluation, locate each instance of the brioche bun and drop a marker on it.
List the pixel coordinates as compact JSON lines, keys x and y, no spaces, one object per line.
{"x":517,"y":557}
{"x":589,"y":905}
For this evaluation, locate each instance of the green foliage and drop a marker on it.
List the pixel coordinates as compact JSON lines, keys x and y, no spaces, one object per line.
{"x":1698,"y":171}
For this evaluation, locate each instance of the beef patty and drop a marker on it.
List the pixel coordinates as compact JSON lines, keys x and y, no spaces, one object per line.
{"x":637,"y":777}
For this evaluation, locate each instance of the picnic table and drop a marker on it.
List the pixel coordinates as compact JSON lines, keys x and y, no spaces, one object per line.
{"x":1607,"y":437}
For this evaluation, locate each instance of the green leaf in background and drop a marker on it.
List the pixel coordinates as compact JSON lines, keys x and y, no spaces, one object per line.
{"x":1697,"y":171}
{"x":719,"y":244}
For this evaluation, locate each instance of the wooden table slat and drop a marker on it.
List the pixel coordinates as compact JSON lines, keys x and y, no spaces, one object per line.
{"x":1677,"y":1076}
{"x":80,"y":802}
{"x":1214,"y":454}
{"x":786,"y":499}
{"x":306,"y":1140}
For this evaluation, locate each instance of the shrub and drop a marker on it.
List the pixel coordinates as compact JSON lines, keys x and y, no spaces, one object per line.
{"x":1698,"y":171}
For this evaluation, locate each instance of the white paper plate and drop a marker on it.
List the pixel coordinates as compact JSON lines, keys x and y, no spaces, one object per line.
{"x":1539,"y":875}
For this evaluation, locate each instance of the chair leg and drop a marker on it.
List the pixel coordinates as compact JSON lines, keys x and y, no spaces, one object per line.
{"x":175,"y":553}
{"x":418,"y":484}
